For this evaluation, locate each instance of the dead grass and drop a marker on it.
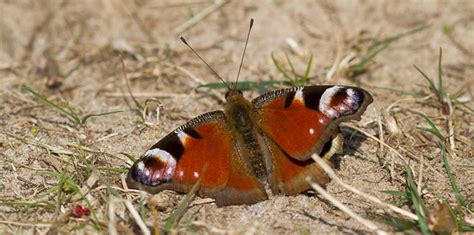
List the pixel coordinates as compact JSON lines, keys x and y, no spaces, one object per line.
{"x":60,"y":73}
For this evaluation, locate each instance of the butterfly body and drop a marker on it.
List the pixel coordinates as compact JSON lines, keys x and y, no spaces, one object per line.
{"x":252,"y":148}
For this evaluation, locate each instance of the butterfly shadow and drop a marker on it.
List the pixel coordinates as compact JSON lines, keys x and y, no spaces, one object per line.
{"x":352,"y":142}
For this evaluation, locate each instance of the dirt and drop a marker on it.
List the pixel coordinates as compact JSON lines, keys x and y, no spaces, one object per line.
{"x":69,"y":51}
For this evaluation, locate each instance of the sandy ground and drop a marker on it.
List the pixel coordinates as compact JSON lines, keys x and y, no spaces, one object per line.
{"x":69,"y":52}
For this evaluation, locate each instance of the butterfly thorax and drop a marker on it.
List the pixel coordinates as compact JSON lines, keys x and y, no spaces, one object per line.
{"x":242,"y":122}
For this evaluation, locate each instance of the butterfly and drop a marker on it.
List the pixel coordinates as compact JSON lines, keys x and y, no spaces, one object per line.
{"x":253,"y":148}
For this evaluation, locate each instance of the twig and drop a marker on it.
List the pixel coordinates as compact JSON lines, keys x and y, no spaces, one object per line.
{"x":373,"y":227}
{"x":364,"y":195}
{"x":200,"y":16}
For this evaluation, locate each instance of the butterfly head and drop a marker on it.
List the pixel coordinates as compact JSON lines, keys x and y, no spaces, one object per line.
{"x":233,"y":94}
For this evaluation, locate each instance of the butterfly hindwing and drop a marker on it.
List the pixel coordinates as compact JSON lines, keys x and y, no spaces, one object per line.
{"x":202,"y":148}
{"x":301,"y":120}
{"x":289,"y":175}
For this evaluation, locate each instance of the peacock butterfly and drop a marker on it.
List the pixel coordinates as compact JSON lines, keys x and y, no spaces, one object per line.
{"x":252,"y":148}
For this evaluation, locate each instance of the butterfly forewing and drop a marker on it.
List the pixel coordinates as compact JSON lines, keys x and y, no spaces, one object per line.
{"x":202,"y":148}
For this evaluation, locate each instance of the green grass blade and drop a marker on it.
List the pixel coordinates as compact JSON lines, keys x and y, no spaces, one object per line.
{"x":69,"y":184}
{"x":440,"y":75}
{"x":129,"y":156}
{"x":417,"y":202}
{"x":430,"y":82}
{"x":467,"y":228}
{"x":433,"y":129}
{"x":292,"y":68}
{"x":373,"y":51}
{"x":84,"y":119}
{"x":173,"y":220}
{"x":280,"y":69}
{"x":246,"y":85}
{"x":401,"y":35}
{"x":45,"y":100}
{"x":459,"y":198}
{"x":71,"y":110}
{"x":378,"y":47}
{"x":308,"y":71}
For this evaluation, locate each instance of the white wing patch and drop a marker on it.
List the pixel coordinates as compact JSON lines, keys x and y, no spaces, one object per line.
{"x":299,"y":95}
{"x":148,"y":173}
{"x":182,"y":136}
{"x":349,"y":105}
{"x":325,"y":100}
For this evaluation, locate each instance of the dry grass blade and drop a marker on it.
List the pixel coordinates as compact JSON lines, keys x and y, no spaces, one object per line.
{"x":366,"y":196}
{"x":390,"y":147}
{"x":134,"y":213}
{"x":112,"y":223}
{"x":373,"y":227}
{"x":127,"y":83}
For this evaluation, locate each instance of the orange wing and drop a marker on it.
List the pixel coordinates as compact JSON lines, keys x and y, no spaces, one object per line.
{"x":301,"y":120}
{"x":289,"y":175}
{"x":202,"y":148}
{"x":297,"y":122}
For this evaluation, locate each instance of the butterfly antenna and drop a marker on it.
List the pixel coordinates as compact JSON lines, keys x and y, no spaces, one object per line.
{"x":213,"y":71}
{"x":243,"y":53}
